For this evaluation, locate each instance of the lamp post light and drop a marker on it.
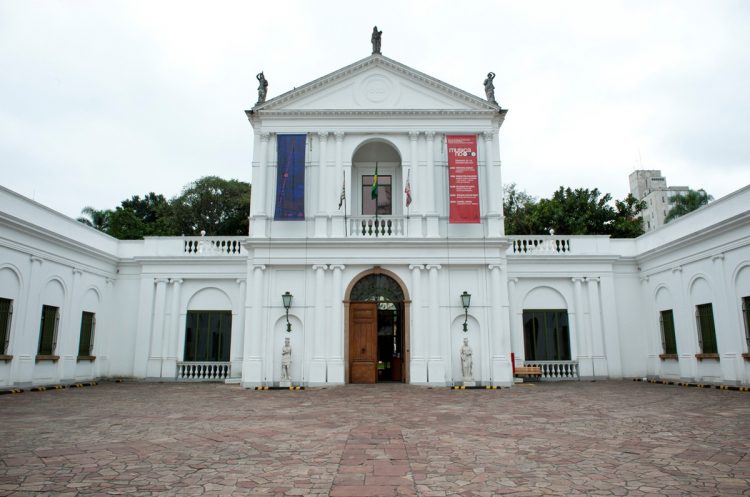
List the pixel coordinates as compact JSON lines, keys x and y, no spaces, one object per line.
{"x":466,"y":301}
{"x":286,"y":298}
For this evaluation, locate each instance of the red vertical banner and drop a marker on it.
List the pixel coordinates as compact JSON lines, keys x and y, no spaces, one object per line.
{"x":463,"y":181}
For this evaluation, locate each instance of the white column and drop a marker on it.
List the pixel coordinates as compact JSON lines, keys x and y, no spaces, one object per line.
{"x":321,"y":221}
{"x":493,"y":190}
{"x":260,"y":185}
{"x":596,"y":344}
{"x":25,"y":345}
{"x":729,"y":343}
{"x":143,"y":332}
{"x":259,"y":209}
{"x":106,"y":327}
{"x":171,"y":350}
{"x":337,"y":226}
{"x":516,"y":322}
{"x":435,"y":362}
{"x":336,"y":360}
{"x":610,"y":326}
{"x":431,"y":208}
{"x":68,"y":333}
{"x":252,"y":358}
{"x":237,"y":346}
{"x":414,"y":224}
{"x":318,"y":364}
{"x":501,"y":372}
{"x":584,"y":359}
{"x":154,"y":369}
{"x":684,"y":325}
{"x":652,"y":328}
{"x":417,"y":330}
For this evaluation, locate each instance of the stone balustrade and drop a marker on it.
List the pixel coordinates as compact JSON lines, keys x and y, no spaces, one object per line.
{"x":372,"y":227}
{"x":556,"y":370}
{"x":203,"y":371}
{"x":214,"y":245}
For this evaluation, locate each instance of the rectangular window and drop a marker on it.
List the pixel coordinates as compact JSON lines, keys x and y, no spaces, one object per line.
{"x":668,"y":341}
{"x":86,"y":340}
{"x":704,"y":317}
{"x":48,"y":330}
{"x":384,"y":204}
{"x":546,"y":335}
{"x":208,"y":335}
{"x":746,"y":318}
{"x":6,"y":314}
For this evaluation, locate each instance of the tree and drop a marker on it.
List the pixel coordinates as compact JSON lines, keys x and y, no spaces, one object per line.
{"x":517,"y":207}
{"x":687,"y":202}
{"x":572,"y":212}
{"x":95,"y":218}
{"x":218,"y":206}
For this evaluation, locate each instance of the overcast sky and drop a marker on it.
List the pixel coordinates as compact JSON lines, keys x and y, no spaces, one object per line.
{"x":100,"y":101}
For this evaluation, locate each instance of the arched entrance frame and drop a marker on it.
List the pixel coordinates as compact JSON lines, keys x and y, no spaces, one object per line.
{"x":407,"y":318}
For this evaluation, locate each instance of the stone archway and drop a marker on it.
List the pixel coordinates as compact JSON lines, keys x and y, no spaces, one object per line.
{"x":376,"y":335}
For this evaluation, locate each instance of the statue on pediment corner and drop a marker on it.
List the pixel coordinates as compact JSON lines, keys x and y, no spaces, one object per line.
{"x":262,"y":88}
{"x":489,"y":88}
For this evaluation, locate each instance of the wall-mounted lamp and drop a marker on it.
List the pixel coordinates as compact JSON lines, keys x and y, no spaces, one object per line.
{"x":466,"y":302}
{"x":286,"y":298}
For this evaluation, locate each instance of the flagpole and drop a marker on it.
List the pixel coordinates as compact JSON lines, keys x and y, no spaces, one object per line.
{"x":377,"y":194}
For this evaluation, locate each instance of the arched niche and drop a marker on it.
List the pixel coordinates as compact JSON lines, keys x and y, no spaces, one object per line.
{"x":475,"y":342}
{"x":10,"y":283}
{"x":742,"y":281}
{"x":297,"y":342}
{"x":544,"y":297}
{"x":90,"y":301}
{"x":700,"y":291}
{"x":53,"y":293}
{"x":386,"y":156}
{"x":663,"y":299}
{"x":209,"y":299}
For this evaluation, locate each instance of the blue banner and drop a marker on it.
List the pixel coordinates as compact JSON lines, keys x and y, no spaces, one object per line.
{"x":290,"y":178}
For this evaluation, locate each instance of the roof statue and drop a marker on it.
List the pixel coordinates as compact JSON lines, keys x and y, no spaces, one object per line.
{"x":262,"y":88}
{"x":376,"y":35}
{"x":489,"y":88}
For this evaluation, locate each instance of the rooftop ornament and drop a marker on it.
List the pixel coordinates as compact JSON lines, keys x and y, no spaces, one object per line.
{"x":375,"y":39}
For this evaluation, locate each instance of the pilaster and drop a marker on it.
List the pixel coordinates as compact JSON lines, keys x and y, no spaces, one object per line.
{"x":336,"y":360}
{"x":436,"y":360}
{"x":317,"y":374}
{"x":581,"y":350}
{"x":237,"y":345}
{"x":171,"y":346}
{"x":500,"y":343}
{"x":338,"y":229}
{"x":417,"y":330}
{"x":154,"y":369}
{"x":431,"y":208}
{"x":252,"y":358}
{"x":596,"y":344}
{"x":321,"y":220}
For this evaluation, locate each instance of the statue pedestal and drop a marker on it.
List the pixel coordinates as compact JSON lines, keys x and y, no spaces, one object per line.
{"x":285,"y":384}
{"x":470,"y":383}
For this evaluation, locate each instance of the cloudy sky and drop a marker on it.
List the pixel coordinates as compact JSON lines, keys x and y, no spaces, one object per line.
{"x":103,"y":100}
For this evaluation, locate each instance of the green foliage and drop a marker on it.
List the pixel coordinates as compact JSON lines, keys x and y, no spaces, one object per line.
{"x":572,"y":212}
{"x":688,"y":202}
{"x":220,"y":207}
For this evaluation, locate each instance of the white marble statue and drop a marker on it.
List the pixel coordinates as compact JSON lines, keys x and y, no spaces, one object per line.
{"x":467,"y":365}
{"x":286,"y":360}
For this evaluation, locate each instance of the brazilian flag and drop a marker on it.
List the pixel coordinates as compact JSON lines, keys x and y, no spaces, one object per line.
{"x":374,"y":190}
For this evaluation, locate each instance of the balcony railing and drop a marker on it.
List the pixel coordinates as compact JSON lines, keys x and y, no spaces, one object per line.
{"x":214,"y":245}
{"x":203,"y":371}
{"x":540,"y":245}
{"x":372,"y":227}
{"x":556,"y":370}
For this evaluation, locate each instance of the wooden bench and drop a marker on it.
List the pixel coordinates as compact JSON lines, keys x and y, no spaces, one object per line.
{"x":532,"y":371}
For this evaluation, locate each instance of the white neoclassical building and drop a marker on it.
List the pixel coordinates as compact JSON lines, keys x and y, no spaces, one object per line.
{"x":377,"y":206}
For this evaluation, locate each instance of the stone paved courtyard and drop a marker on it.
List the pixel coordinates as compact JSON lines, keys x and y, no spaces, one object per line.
{"x":603,"y":438}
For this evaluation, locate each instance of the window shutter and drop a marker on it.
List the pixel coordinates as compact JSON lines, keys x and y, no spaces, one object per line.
{"x":698,"y":324}
{"x":91,"y":336}
{"x":663,"y":332}
{"x":54,"y":333}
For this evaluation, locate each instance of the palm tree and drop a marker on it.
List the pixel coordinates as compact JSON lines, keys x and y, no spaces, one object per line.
{"x":687,"y":202}
{"x":96,"y":219}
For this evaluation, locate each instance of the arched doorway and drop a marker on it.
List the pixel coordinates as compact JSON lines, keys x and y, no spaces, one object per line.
{"x":377,"y":310}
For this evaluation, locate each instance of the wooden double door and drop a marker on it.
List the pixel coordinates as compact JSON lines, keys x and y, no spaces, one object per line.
{"x":373,"y":358}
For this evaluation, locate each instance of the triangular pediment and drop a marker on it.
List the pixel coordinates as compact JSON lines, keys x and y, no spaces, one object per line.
{"x":376,"y":83}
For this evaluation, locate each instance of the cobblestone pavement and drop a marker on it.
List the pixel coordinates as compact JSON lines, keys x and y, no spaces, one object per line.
{"x":603,"y":438}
